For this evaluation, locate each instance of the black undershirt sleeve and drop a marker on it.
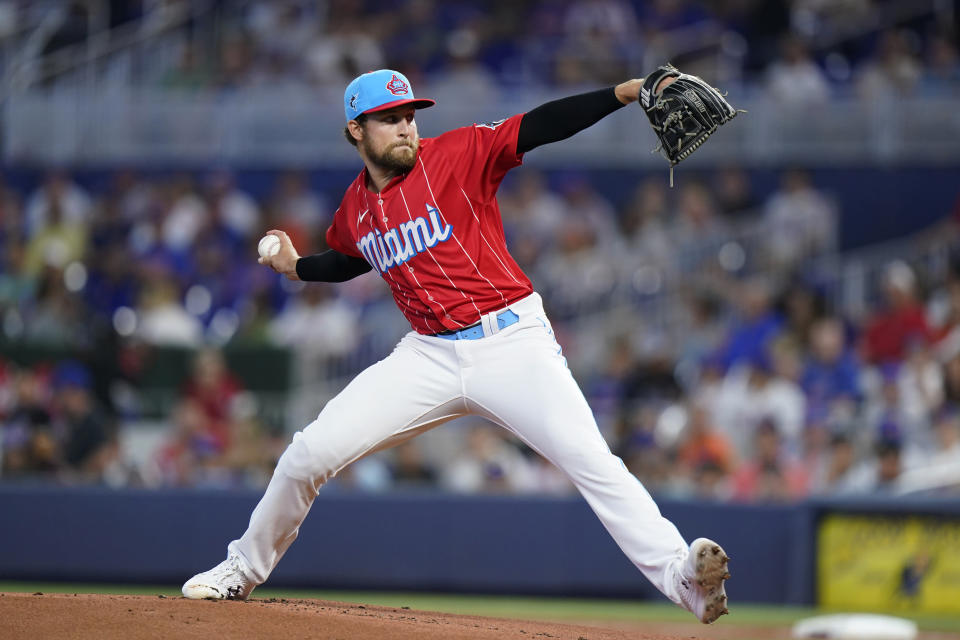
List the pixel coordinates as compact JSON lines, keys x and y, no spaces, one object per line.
{"x":330,"y":266}
{"x":560,"y":119}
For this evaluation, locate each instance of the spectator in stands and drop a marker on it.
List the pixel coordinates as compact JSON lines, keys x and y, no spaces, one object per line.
{"x":634,"y":442}
{"x":762,"y":395}
{"x":282,"y":29}
{"x":769,"y":475}
{"x":12,"y":224}
{"x":185,"y":215}
{"x":217,"y":285}
{"x":885,"y":415}
{"x":112,"y":282}
{"x":664,"y":15}
{"x":888,"y":466}
{"x":802,"y":307}
{"x":756,"y":325}
{"x":608,"y":389}
{"x":836,"y":472}
{"x":941,"y":73}
{"x":831,"y":374}
{"x":191,"y":446}
{"x":489,"y":465}
{"x":902,"y":320}
{"x":531,"y":211}
{"x":461,"y":74}
{"x":253,"y":451}
{"x":298,"y":210}
{"x":702,"y":445}
{"x":545,"y":478}
{"x":235,"y":62}
{"x":831,"y":18}
{"x":946,"y":450}
{"x":702,"y":335}
{"x":28,"y":445}
{"x":86,"y":437}
{"x":920,"y":384}
{"x":191,"y":72}
{"x":17,"y":289}
{"x":599,"y":34}
{"x":734,"y":193}
{"x":893,"y":69}
{"x":410,"y":469}
{"x":163,"y":319}
{"x":296,"y":326}
{"x":583,"y":201}
{"x":213,"y":389}
{"x":614,"y":20}
{"x":696,"y":231}
{"x":643,"y":222}
{"x":59,"y":316}
{"x":231,"y":207}
{"x":58,"y":242}
{"x":951,"y":378}
{"x":794,"y":79}
{"x":711,"y":482}
{"x":412,"y":54}
{"x":799,"y":221}
{"x":939,"y":469}
{"x":58,"y":190}
{"x":577,"y":272}
{"x":697,"y":219}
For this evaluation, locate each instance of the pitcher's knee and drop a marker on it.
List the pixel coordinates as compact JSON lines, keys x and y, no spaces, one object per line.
{"x":300,"y":463}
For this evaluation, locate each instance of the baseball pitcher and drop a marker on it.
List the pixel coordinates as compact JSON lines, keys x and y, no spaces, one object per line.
{"x":423,"y":214}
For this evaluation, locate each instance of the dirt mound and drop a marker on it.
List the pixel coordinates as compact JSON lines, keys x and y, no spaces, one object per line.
{"x":108,"y":617}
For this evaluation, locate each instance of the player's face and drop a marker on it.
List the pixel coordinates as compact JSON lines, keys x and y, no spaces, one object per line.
{"x":390,"y":139}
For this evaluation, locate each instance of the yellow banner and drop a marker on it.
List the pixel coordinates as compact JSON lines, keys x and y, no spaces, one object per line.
{"x":873,"y":563}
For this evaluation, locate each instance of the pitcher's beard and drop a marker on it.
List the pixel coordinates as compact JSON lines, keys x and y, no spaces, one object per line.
{"x":398,"y":158}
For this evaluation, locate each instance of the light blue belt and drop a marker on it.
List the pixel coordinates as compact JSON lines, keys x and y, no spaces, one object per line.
{"x":475,"y":331}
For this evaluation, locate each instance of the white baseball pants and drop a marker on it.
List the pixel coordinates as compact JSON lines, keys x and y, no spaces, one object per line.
{"x":515,"y":377}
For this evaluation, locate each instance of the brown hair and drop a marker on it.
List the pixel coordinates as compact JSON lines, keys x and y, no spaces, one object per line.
{"x":361,"y":119}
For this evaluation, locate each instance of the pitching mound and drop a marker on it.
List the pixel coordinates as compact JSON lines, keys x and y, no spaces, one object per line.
{"x":107,"y":617}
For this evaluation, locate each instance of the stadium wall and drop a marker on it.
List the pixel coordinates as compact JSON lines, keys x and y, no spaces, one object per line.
{"x":406,"y":541}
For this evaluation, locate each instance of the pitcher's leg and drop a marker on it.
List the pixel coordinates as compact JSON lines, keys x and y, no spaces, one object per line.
{"x":533,"y":394}
{"x":378,"y":407}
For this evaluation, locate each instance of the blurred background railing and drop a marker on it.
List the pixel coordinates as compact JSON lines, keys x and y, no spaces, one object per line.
{"x":301,"y":127}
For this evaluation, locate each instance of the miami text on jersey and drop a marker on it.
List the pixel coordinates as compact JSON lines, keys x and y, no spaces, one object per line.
{"x":397,"y":245}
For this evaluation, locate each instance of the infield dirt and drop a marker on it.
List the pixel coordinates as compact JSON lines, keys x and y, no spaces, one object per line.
{"x":107,"y":617}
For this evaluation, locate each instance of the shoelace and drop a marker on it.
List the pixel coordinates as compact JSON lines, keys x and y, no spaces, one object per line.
{"x":232,"y":568}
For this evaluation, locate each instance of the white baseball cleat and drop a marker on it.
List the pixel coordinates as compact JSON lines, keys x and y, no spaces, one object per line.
{"x":701,"y":580}
{"x":226,"y":581}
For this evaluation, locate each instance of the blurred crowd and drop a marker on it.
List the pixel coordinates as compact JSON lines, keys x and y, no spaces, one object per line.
{"x":799,"y":50}
{"x":718,"y":365}
{"x":707,"y":324}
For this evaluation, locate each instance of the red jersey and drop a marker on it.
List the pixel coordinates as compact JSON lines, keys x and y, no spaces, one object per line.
{"x":435,"y":234}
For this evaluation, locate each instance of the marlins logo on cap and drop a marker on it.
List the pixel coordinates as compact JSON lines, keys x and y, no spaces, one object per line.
{"x":380,"y":90}
{"x":398,"y":87}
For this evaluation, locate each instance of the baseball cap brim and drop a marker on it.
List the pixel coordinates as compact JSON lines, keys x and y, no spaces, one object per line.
{"x":418,"y":103}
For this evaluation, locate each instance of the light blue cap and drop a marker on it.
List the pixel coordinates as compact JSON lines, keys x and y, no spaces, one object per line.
{"x":379,"y":90}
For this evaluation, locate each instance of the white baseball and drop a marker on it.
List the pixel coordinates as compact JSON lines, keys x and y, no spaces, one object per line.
{"x":268,"y":246}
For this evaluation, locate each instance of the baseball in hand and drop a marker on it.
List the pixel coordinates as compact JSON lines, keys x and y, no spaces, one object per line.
{"x":268,"y":246}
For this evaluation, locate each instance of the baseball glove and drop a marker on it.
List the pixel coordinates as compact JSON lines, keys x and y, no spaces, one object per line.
{"x":684,"y":113}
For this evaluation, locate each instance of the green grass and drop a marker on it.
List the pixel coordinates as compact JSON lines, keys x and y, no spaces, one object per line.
{"x":559,"y":609}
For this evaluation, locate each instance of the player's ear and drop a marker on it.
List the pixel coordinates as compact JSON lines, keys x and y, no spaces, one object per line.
{"x":355,"y":129}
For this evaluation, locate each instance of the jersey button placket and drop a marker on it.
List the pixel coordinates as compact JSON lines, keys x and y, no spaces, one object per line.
{"x":382,"y":210}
